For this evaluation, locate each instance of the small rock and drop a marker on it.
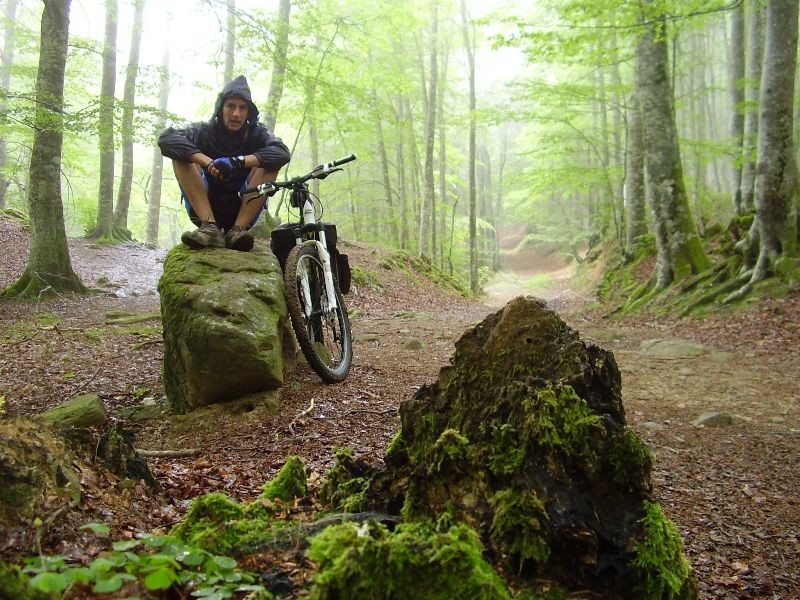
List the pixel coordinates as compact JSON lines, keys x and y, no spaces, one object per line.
{"x":777,"y":420}
{"x":369,"y":337}
{"x":685,"y":372}
{"x":714,"y":419}
{"x":652,"y":425}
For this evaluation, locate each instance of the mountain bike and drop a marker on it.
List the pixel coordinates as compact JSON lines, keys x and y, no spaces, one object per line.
{"x":315,"y":274}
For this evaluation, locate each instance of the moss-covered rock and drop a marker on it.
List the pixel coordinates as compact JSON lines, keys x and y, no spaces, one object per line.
{"x":86,"y":410}
{"x":289,"y":483}
{"x":226,"y":326}
{"x":524,"y":439}
{"x":417,"y":560}
{"x":14,"y":585}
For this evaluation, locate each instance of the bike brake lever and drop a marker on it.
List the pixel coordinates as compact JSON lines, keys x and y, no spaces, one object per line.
{"x":324,"y":174}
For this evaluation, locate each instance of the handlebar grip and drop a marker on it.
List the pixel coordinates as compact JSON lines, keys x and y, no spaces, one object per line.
{"x":344,"y":160}
{"x":248,"y":191}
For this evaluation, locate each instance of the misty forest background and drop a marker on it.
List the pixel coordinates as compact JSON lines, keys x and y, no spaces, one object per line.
{"x":587,"y":125}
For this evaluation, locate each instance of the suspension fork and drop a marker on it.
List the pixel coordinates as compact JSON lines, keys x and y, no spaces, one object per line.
{"x":325,"y":259}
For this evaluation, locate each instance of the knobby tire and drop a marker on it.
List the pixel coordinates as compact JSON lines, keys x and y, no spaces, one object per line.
{"x":325,"y":340}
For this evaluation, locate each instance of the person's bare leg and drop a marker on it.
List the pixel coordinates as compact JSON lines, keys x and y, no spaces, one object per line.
{"x":249,"y":210}
{"x":190,"y":179}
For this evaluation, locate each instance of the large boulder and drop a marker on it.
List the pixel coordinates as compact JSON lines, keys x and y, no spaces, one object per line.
{"x":226,"y":327}
{"x":524,"y":439}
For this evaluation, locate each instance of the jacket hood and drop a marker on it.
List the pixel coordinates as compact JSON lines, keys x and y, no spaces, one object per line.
{"x":237,"y":88}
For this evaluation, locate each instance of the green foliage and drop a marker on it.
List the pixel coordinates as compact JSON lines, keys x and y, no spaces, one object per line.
{"x":449,"y":451}
{"x":289,"y":483}
{"x":414,"y":561}
{"x":659,"y":556}
{"x":153,"y":563}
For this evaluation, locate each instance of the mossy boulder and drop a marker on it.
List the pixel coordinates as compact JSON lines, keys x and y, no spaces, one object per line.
{"x":523,"y":438}
{"x":86,"y":410}
{"x":226,"y":327}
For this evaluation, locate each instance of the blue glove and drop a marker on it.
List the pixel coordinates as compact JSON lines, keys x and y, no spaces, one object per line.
{"x":225,"y":165}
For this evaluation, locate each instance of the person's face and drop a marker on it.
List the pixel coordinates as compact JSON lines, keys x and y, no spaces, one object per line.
{"x":234,"y":114}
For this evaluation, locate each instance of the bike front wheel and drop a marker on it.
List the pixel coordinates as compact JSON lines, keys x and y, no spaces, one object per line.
{"x":323,"y":331}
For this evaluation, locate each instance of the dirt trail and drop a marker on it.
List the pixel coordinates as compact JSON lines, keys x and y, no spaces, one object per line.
{"x":733,"y":491}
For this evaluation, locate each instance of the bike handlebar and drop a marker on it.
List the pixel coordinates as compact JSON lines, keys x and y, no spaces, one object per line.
{"x":318,"y":172}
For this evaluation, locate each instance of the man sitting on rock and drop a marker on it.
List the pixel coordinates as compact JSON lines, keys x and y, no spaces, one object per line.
{"x":216,"y":160}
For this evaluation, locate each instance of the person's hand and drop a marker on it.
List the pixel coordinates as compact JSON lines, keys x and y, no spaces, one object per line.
{"x":222,"y":167}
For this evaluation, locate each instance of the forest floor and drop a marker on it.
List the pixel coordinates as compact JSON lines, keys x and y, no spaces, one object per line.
{"x":733,"y":491}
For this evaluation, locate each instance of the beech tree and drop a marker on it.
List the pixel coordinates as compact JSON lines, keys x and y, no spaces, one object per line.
{"x":776,"y":180}
{"x":680,"y":250}
{"x":48,"y":270}
{"x":128,"y":106}
{"x":105,"y":125}
{"x":279,"y":59}
{"x":5,"y":81}
{"x":157,"y":170}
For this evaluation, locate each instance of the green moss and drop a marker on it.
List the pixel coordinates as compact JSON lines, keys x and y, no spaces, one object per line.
{"x":363,"y":278}
{"x":414,"y":561}
{"x":507,"y":452}
{"x":659,"y":558}
{"x":449,"y":451}
{"x":14,"y":584}
{"x":517,"y":525}
{"x":397,"y":449}
{"x":630,"y":459}
{"x":208,"y":522}
{"x":289,"y":483}
{"x":560,"y":421}
{"x":217,"y":524}
{"x":345,"y":485}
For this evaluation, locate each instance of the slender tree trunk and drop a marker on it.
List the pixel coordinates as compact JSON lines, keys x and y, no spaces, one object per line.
{"x":401,"y":174}
{"x":129,"y":102}
{"x":473,"y":217}
{"x":428,"y":200}
{"x":105,"y":196}
{"x":5,"y":84}
{"x":48,"y":270}
{"x":278,"y":64}
{"x":635,"y":217}
{"x":680,"y":250}
{"x":755,"y":52}
{"x":776,"y":182}
{"x":736,"y":82}
{"x":154,"y":194}
{"x":230,"y":41}
{"x":442,"y":163}
{"x":391,"y":216}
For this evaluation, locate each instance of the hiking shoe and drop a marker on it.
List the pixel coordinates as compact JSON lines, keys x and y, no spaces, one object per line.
{"x":208,"y":235}
{"x":239,"y":238}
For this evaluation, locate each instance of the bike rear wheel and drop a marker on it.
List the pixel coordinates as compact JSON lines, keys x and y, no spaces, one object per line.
{"x":323,"y":333}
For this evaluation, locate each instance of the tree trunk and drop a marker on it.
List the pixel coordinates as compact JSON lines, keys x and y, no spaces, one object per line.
{"x":680,"y":250}
{"x":105,"y":126}
{"x":391,"y":217}
{"x":736,"y":82}
{"x":278,"y":64}
{"x":428,"y":199}
{"x":401,"y":175}
{"x":755,"y":52}
{"x":48,"y":270}
{"x":776,"y":182}
{"x":474,"y":283}
{"x":129,"y":101}
{"x":230,"y":41}
{"x":635,"y":217}
{"x":5,"y":84}
{"x":157,"y":174}
{"x":442,"y":159}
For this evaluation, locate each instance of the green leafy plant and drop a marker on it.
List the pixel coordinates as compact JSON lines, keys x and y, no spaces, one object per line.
{"x":154,"y":562}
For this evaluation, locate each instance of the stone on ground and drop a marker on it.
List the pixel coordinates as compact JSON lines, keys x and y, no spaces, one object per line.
{"x":86,"y":410}
{"x":226,"y":327}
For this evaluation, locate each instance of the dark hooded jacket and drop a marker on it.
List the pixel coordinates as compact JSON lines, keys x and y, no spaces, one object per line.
{"x":213,"y":139}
